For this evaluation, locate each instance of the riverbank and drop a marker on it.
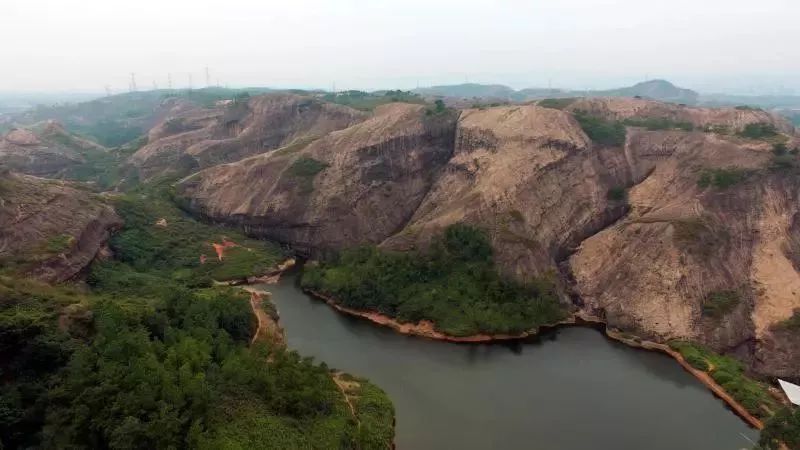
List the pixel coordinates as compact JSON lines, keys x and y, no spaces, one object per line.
{"x":425,"y":329}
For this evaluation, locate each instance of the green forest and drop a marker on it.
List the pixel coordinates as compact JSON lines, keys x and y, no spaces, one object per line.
{"x":454,"y":284}
{"x":149,"y":354}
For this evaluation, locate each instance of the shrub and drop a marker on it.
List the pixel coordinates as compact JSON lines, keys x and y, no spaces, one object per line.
{"x":779,"y":149}
{"x":697,"y":361}
{"x":730,"y":374}
{"x":719,"y":303}
{"x":306,"y":167}
{"x":722,"y":178}
{"x":556,"y":103}
{"x":600,"y":130}
{"x":617,"y":194}
{"x":783,"y":427}
{"x":758,"y":130}
{"x":792,"y":323}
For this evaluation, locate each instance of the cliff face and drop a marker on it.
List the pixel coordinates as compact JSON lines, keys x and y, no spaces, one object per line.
{"x":357,"y":185}
{"x":50,"y":229}
{"x":45,"y":149}
{"x":676,"y":234}
{"x":696,"y":260}
{"x":531,"y":177}
{"x":731,"y":120}
{"x":199,"y":138}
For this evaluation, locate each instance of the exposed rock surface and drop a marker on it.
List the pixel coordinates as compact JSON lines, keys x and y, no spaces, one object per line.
{"x":198,"y":138}
{"x":45,"y":149}
{"x":732,"y":119}
{"x":352,"y":186}
{"x":51,"y":229}
{"x":654,"y":270}
{"x":532,"y":178}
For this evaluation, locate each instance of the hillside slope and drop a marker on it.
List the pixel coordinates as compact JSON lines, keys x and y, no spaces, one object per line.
{"x":46,"y":149}
{"x":202,"y":137}
{"x":51,"y":229}
{"x":352,"y":186}
{"x":543,"y":182}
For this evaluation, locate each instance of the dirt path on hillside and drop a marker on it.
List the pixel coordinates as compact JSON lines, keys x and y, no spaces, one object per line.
{"x":347,"y":387}
{"x":268,"y":328}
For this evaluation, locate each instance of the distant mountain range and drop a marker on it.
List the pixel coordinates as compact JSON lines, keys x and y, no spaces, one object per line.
{"x":654,"y":89}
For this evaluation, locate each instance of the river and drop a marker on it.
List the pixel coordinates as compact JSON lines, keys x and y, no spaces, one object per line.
{"x":568,"y":389}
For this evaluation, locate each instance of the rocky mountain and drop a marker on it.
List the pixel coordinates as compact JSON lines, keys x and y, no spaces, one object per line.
{"x":356,"y":185}
{"x":202,"y":137}
{"x":45,"y":149}
{"x":659,"y":234}
{"x":51,"y":229}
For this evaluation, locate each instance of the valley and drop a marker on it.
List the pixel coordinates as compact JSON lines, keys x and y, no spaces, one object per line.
{"x":663,"y":222}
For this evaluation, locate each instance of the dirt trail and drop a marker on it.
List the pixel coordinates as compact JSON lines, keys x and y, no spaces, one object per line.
{"x":268,"y":329}
{"x":346,"y":387}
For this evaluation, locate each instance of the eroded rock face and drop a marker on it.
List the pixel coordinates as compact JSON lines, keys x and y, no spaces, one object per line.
{"x":45,"y":149}
{"x":728,"y":119}
{"x":529,"y":176}
{"x":647,"y":261}
{"x":357,"y":185}
{"x":51,"y":229}
{"x":654,"y":271}
{"x":198,"y":138}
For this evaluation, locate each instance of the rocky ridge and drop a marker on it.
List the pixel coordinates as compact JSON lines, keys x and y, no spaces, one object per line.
{"x":651,"y":260}
{"x":51,"y":229}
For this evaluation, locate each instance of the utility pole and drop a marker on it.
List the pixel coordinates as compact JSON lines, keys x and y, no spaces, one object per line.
{"x":133,"y":82}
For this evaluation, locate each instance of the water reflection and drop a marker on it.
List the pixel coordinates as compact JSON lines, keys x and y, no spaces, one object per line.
{"x":566,"y":389}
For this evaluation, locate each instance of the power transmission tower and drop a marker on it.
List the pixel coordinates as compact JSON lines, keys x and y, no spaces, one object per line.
{"x":108,"y":91}
{"x":133,"y":82}
{"x":155,"y":85}
{"x":190,"y":82}
{"x":169,"y":81}
{"x":208,"y":77}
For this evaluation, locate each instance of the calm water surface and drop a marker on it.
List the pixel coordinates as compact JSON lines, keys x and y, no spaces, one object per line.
{"x":571,"y":389}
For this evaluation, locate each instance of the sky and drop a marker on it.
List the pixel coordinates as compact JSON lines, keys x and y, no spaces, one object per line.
{"x":736,"y":46}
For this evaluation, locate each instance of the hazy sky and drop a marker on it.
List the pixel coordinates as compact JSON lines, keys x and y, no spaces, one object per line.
{"x":369,"y":44}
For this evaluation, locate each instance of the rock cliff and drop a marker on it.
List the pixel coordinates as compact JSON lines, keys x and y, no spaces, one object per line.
{"x":357,"y":185}
{"x":45,"y":149}
{"x":197,"y":138}
{"x":50,"y":229}
{"x":675,"y":234}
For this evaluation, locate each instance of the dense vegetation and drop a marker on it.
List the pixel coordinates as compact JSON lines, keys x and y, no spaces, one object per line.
{"x":722,"y":178}
{"x":454,"y":284}
{"x":783,"y":427}
{"x":729,"y":373}
{"x":719,"y":303}
{"x":151,"y":356}
{"x":760,"y":130}
{"x":600,"y":130}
